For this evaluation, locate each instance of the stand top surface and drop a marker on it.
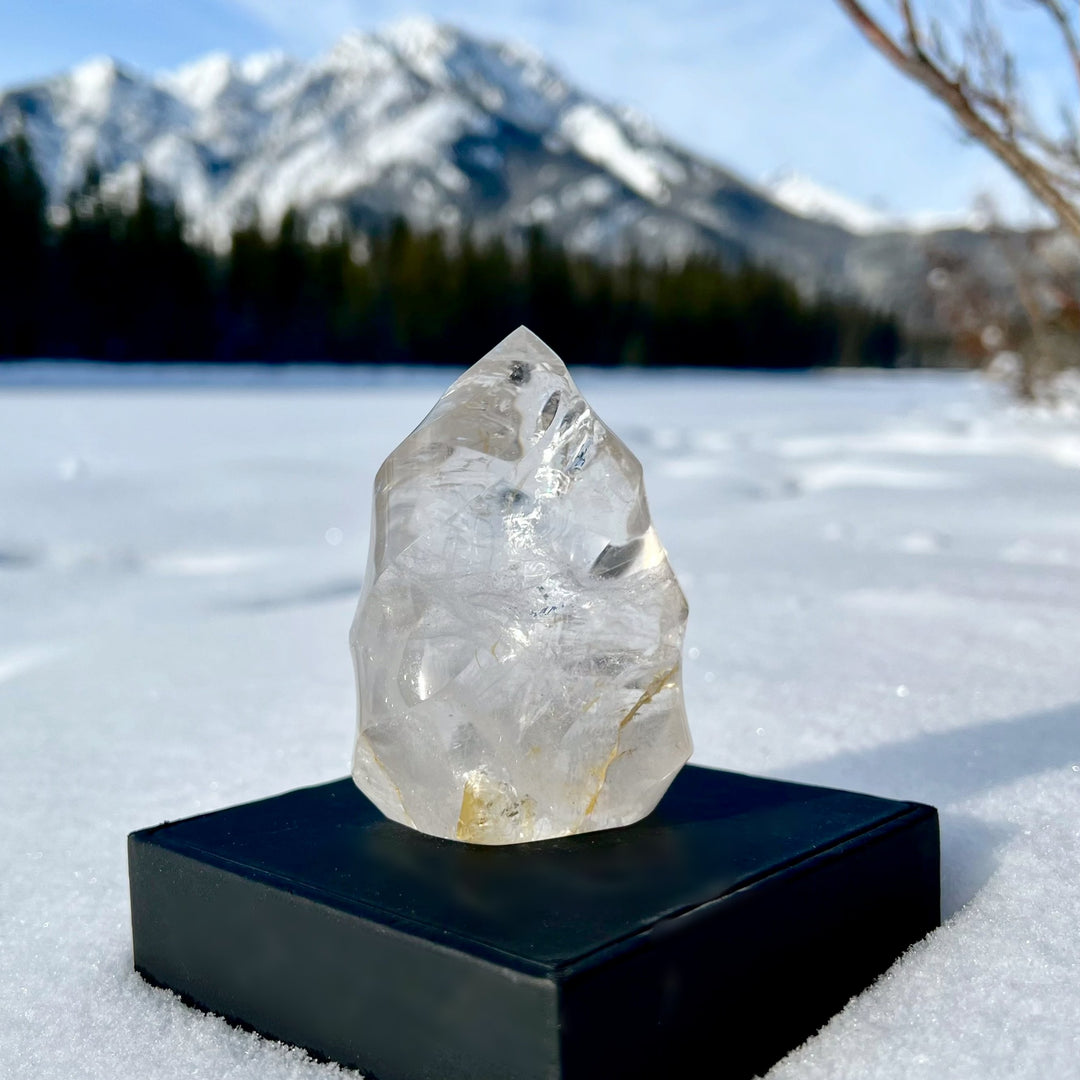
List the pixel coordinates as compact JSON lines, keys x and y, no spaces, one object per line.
{"x":544,"y":906}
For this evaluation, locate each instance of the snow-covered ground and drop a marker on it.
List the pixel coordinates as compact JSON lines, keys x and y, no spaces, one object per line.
{"x":884,"y":581}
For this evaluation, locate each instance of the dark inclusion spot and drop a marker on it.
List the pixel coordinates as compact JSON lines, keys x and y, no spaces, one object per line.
{"x":520,"y":372}
{"x":545,"y":607}
{"x":617,"y":559}
{"x":513,"y":500}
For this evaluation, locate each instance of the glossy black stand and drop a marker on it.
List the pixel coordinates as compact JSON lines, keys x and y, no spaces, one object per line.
{"x":725,"y":928}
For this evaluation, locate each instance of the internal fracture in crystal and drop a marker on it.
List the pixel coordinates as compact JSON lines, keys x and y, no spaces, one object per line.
{"x":518,"y":641}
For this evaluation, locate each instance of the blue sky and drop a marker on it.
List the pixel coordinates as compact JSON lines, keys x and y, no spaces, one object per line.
{"x":763,"y":86}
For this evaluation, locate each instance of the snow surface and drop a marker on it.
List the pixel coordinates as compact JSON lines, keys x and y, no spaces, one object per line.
{"x":884,"y":582}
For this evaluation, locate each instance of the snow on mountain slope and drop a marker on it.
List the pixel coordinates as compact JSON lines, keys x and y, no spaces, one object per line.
{"x":420,"y":119}
{"x":424,"y":120}
{"x":599,"y":137}
{"x":801,"y":195}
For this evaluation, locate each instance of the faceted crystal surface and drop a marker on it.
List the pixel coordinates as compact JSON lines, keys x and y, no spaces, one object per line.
{"x":519,"y":637}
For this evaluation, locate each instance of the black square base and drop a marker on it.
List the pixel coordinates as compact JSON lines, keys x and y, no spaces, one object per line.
{"x":725,"y":928}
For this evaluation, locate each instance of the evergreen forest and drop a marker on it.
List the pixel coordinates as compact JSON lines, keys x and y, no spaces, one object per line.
{"x":104,"y":281}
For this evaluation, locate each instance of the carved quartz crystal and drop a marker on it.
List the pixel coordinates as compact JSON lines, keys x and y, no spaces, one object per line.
{"x":518,"y":641}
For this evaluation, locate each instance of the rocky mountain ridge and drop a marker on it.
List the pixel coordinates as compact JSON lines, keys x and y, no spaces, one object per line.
{"x":424,"y":120}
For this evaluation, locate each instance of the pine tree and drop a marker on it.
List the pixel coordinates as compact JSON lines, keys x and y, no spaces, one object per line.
{"x":122,"y":282}
{"x":22,"y":250}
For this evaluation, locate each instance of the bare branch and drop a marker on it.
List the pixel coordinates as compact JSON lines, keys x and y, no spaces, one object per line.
{"x":1057,"y":12}
{"x":989,"y":110}
{"x":874,"y":33}
{"x":911,"y":27}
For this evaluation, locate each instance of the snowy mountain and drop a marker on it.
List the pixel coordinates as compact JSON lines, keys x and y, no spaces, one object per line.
{"x":425,"y":120}
{"x":802,"y":195}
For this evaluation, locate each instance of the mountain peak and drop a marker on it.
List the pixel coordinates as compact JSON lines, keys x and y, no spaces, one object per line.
{"x":416,"y":35}
{"x":418,"y":119}
{"x":101,"y":67}
{"x":425,"y":45}
{"x":94,"y":77}
{"x":201,"y":81}
{"x":259,"y":66}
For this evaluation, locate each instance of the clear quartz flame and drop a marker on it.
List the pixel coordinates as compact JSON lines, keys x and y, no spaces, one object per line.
{"x":518,"y":641}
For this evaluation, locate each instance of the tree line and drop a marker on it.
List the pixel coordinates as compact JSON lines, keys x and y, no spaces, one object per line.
{"x":105,"y":281}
